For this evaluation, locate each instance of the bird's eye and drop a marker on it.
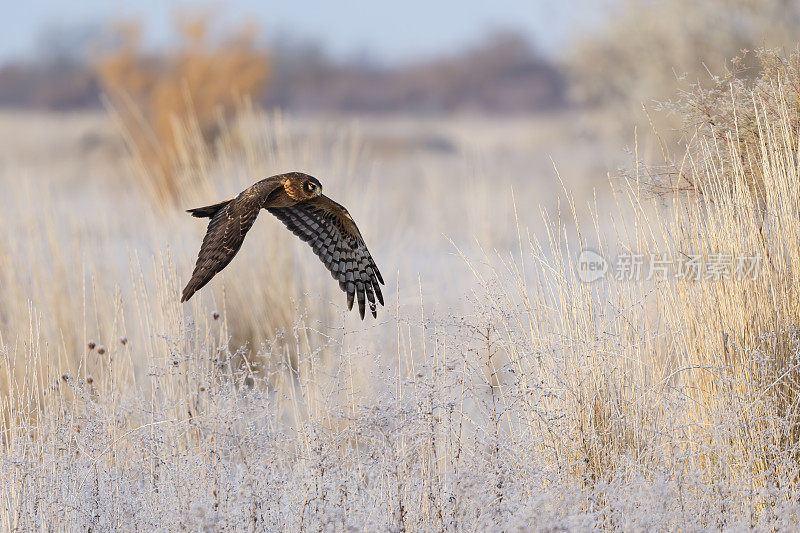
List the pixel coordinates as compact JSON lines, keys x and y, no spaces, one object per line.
{"x":309,"y":187}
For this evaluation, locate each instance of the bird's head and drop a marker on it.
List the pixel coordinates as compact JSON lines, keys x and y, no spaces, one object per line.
{"x":301,"y":186}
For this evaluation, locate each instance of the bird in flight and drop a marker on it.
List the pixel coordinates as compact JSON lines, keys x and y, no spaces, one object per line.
{"x":297,"y":200}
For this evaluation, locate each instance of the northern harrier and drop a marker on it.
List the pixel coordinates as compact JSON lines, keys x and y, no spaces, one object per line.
{"x":297,"y":200}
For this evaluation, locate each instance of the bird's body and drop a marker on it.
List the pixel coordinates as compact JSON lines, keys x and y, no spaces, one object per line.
{"x":296,"y":199}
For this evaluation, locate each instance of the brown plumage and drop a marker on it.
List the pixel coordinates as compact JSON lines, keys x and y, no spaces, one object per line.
{"x":297,"y":200}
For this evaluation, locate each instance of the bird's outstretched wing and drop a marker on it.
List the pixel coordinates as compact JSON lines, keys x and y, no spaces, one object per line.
{"x":225,"y":235}
{"x":331,"y":232}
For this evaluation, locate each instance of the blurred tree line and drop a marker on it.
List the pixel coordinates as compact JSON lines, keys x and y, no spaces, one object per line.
{"x":500,"y":74}
{"x":641,"y":51}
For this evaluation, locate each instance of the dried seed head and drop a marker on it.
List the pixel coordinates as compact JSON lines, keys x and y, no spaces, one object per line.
{"x":202,"y":389}
{"x":91,"y":345}
{"x":65,"y":377}
{"x":123,"y":340}
{"x":215,"y":315}
{"x":89,"y":380}
{"x":101,"y":349}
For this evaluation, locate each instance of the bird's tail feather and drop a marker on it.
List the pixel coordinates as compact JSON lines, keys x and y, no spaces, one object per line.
{"x":208,"y":211}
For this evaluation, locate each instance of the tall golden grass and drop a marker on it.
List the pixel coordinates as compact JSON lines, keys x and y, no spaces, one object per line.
{"x":728,"y":345}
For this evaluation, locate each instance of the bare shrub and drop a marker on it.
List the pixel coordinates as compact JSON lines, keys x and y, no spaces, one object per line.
{"x":646,"y":50}
{"x":729,"y":121}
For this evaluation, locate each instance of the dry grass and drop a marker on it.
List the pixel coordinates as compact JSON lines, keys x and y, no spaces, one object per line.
{"x":534,"y":401}
{"x":198,"y":86}
{"x":68,"y":268}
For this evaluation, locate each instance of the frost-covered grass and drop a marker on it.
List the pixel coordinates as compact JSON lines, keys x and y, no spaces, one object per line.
{"x":502,"y":394}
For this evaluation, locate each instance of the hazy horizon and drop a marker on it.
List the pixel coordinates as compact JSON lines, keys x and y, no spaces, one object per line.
{"x":346,"y":30}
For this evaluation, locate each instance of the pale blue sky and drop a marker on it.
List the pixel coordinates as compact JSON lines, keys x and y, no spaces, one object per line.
{"x":385,"y":31}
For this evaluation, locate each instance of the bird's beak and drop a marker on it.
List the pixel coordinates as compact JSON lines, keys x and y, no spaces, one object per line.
{"x":319,"y":191}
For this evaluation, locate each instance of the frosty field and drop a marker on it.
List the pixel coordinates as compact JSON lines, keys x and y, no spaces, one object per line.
{"x":495,"y":391}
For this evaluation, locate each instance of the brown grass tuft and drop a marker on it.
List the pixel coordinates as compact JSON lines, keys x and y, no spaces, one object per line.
{"x":156,"y":98}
